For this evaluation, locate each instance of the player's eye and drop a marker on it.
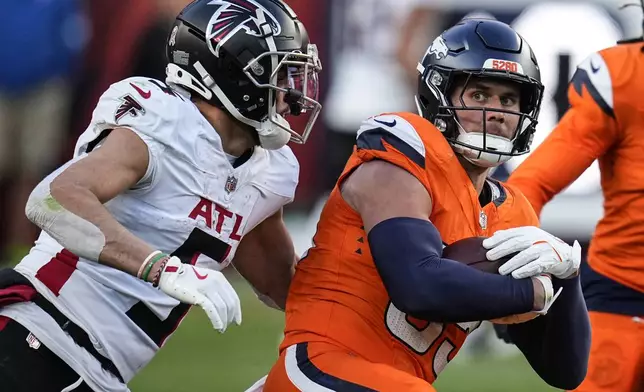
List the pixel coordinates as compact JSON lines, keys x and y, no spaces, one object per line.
{"x":479,"y":96}
{"x":508,"y":101}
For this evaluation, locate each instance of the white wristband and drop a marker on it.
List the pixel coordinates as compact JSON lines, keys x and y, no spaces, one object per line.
{"x":550,"y":295}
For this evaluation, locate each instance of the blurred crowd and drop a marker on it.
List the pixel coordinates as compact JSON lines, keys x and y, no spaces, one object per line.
{"x":59,"y":56}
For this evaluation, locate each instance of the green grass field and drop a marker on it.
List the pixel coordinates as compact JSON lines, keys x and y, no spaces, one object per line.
{"x":199,"y":359}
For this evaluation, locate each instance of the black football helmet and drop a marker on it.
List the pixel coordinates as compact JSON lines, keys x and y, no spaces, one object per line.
{"x":239,"y":55}
{"x":474,"y":49}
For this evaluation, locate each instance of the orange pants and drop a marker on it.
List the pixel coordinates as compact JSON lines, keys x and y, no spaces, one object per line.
{"x":616,"y":354}
{"x":325,"y":367}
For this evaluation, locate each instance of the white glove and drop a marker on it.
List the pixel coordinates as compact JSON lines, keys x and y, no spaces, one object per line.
{"x":207,"y":288}
{"x":539,"y":253}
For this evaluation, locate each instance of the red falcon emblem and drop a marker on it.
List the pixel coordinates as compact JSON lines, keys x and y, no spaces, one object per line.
{"x":128,"y":106}
{"x":234,"y":15}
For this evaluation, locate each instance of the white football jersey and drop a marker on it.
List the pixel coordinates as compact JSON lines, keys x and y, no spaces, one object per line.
{"x":191,"y":203}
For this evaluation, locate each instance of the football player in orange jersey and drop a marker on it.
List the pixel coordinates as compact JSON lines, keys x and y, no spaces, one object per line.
{"x":604,"y":122}
{"x":373,"y":305}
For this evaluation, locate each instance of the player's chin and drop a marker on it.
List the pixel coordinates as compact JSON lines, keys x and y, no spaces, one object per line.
{"x":499,"y":132}
{"x":515,"y":318}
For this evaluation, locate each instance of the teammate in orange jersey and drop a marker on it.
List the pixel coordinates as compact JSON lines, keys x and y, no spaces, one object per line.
{"x":373,"y":306}
{"x":605,"y":122}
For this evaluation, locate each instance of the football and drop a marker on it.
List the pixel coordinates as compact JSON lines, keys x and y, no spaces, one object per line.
{"x":470,"y":251}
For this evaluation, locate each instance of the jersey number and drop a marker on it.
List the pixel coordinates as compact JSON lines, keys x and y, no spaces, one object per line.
{"x":420,"y":336}
{"x":198,"y":242}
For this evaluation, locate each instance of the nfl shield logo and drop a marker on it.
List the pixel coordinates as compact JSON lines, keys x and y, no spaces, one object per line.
{"x":33,"y":342}
{"x":231,"y":184}
{"x":483,"y":220}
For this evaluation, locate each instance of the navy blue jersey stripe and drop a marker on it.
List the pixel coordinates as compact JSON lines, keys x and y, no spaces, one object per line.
{"x":580,"y":79}
{"x":373,"y":140}
{"x":319,"y":377}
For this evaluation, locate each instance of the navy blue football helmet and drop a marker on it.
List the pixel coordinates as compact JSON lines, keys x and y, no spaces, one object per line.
{"x":477,"y":49}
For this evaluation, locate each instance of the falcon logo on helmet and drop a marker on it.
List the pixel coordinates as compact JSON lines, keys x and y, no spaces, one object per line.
{"x":234,"y":15}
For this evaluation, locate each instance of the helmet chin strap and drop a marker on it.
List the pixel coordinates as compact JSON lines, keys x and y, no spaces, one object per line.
{"x":480,"y":158}
{"x":273,"y":137}
{"x":175,"y":75}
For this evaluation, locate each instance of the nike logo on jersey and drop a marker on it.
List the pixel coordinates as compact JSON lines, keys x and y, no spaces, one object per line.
{"x":142,"y":93}
{"x":593,"y":68}
{"x":199,"y":276}
{"x":389,"y":124}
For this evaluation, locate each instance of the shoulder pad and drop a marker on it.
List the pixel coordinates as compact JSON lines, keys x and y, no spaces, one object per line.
{"x":594,"y":75}
{"x":147,"y":106}
{"x":282,"y":173}
{"x":397,"y":132}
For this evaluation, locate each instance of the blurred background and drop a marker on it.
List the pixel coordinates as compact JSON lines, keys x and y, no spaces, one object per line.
{"x":58,"y":56}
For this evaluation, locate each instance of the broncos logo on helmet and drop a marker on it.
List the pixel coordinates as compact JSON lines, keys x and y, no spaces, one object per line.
{"x":234,"y":15}
{"x":438,"y":48}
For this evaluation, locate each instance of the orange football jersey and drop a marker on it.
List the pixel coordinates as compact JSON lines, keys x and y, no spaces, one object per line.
{"x":605,"y":122}
{"x":337,"y":295}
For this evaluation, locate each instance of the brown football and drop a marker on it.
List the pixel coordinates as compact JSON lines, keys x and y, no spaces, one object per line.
{"x":470,"y":251}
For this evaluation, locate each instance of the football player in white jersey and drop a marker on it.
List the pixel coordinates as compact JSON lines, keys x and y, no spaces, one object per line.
{"x":170,"y":183}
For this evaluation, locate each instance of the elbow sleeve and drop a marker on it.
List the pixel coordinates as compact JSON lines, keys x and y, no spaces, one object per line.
{"x":74,"y":233}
